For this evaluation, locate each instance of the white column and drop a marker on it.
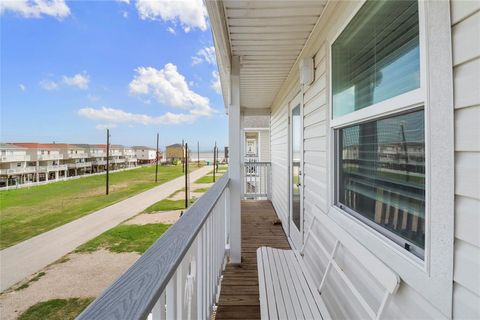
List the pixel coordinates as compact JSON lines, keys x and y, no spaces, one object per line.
{"x":234,"y":162}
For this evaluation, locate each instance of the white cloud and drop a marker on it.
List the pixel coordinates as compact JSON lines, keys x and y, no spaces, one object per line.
{"x":93,"y":98}
{"x":124,"y":1}
{"x":170,"y":88}
{"x":36,"y":8}
{"x":119,"y":116}
{"x":171,"y":30}
{"x":125,"y":14}
{"x":48,"y":84}
{"x":189,"y":14}
{"x":22,"y":87}
{"x":216,"y":83}
{"x":105,"y":126}
{"x":205,"y":54}
{"x":79,"y":80}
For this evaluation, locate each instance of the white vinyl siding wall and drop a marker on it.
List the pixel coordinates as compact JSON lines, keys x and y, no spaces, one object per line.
{"x":279,"y":159}
{"x":264,"y":147}
{"x":466,"y":60}
{"x":407,"y":302}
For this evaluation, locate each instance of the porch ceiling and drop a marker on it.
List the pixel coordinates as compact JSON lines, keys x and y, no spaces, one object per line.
{"x":268,"y":36}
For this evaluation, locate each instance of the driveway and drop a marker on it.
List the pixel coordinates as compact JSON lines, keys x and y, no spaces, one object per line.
{"x":21,"y":260}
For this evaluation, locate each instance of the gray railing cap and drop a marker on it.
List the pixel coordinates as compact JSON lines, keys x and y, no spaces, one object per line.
{"x":134,"y":294}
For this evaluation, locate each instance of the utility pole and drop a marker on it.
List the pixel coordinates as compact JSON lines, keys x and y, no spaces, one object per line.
{"x":186,"y":176}
{"x":108,"y":161}
{"x":183,"y":156}
{"x":214,"y":159}
{"x":156,"y":160}
{"x":198,"y":153}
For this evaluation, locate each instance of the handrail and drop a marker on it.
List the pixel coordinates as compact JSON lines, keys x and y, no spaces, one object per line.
{"x":135,"y":293}
{"x":256,"y":176}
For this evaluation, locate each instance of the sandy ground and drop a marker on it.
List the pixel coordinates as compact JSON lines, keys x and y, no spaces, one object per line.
{"x":167,"y":217}
{"x":83,"y":275}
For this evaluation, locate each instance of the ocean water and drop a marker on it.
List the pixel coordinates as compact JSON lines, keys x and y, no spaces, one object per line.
{"x":206,"y":156}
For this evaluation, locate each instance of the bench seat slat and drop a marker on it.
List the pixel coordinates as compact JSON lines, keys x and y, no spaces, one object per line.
{"x":289,"y":294}
{"x":278,"y":296}
{"x":272,"y":308}
{"x":305,"y":304}
{"x":262,"y":288}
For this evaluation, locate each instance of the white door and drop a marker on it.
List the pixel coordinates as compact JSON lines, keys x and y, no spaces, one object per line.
{"x":295,"y":173}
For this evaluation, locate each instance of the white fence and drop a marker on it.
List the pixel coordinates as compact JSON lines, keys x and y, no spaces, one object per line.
{"x":256,"y":180}
{"x":179,"y":276}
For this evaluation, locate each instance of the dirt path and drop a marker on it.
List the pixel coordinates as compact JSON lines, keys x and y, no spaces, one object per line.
{"x":83,"y":275}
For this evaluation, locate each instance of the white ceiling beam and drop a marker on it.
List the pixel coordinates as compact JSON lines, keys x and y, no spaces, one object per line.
{"x":255,"y":111}
{"x":272,"y":29}
{"x":273,"y":43}
{"x":258,"y":22}
{"x":296,"y":11}
{"x":270,"y":36}
{"x":271,"y":4}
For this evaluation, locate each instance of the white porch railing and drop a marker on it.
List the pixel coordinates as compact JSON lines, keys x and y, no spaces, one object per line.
{"x":79,"y":165}
{"x":179,"y":276}
{"x":256,"y":180}
{"x":19,"y":170}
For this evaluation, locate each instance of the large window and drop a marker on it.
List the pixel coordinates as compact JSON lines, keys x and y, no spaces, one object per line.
{"x":382,"y":176}
{"x":380,"y":160}
{"x":377,"y":56}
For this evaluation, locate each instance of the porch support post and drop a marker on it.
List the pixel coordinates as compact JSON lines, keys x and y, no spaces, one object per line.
{"x":234,"y":162}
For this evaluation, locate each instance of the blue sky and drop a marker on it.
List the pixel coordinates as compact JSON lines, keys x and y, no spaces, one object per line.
{"x":71,"y":69}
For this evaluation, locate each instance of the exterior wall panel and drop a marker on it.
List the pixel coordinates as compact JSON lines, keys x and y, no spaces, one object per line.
{"x":466,"y":75}
{"x":407,"y":302}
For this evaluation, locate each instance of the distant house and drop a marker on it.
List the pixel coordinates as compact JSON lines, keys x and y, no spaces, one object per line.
{"x":14,"y":167}
{"x":145,"y":155}
{"x":46,"y":157}
{"x":174,"y":152}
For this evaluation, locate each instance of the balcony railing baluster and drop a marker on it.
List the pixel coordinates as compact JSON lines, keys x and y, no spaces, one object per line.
{"x":256,"y":180}
{"x":179,"y":276}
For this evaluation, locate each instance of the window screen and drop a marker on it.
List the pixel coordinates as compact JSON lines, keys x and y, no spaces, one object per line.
{"x":376,"y":57}
{"x":381,"y":176}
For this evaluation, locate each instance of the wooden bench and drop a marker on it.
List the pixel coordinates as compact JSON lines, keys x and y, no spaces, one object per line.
{"x":287,"y":290}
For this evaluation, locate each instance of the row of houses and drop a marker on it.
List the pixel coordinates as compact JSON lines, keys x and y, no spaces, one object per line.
{"x":22,"y":163}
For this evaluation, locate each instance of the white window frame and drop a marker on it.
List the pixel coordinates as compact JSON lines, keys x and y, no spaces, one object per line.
{"x":432,"y":277}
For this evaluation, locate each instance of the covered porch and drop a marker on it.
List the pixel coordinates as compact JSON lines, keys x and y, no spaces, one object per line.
{"x":239,"y":294}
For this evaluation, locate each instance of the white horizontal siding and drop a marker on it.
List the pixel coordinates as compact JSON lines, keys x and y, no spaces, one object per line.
{"x":466,"y":84}
{"x":466,"y":75}
{"x":408,"y":302}
{"x":265,"y":145}
{"x":466,"y":39}
{"x":315,"y":145}
{"x":279,"y":160}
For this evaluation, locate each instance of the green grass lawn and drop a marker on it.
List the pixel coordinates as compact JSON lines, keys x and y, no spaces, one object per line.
{"x":201,"y":190}
{"x":208,"y":178}
{"x":56,"y":309}
{"x":27,"y":212}
{"x":126,"y":238}
{"x":168,"y":205}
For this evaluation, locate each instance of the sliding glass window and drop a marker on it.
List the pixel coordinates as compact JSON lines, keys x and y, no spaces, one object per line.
{"x":380,"y":161}
{"x":381,"y":176}
{"x":377,"y":56}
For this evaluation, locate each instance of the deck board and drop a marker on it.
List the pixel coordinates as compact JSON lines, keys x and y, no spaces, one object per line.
{"x":239,"y":296}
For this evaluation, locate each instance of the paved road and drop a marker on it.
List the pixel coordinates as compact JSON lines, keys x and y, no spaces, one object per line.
{"x":21,"y":260}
